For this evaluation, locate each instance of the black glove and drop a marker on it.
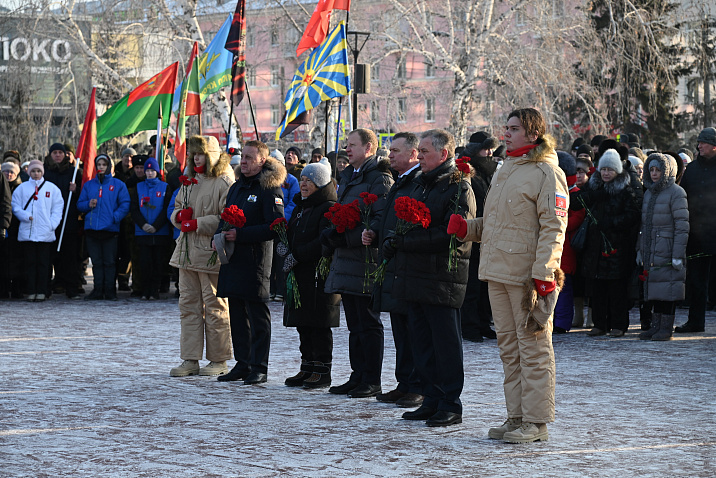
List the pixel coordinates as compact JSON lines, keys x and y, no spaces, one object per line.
{"x":391,"y":246}
{"x":333,"y":238}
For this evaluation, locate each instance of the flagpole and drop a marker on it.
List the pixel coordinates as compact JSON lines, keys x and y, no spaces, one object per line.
{"x":325,"y":139}
{"x":251,"y":107}
{"x":69,"y":200}
{"x":338,"y":122}
{"x":231,"y":103}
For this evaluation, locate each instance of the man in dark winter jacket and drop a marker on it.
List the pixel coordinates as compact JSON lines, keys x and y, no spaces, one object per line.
{"x":245,"y":279}
{"x":699,"y":182}
{"x":432,"y":279}
{"x":404,"y":161}
{"x":66,"y":263}
{"x":349,"y":268}
{"x":5,"y":207}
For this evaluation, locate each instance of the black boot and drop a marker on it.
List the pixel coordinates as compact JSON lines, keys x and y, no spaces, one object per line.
{"x":655,"y":324}
{"x":297,"y":380}
{"x":321,"y":376}
{"x":666,"y":329}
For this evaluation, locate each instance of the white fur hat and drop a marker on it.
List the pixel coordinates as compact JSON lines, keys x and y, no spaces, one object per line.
{"x":611,"y":159}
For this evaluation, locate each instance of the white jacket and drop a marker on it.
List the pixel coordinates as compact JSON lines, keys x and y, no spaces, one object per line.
{"x":46,"y":211}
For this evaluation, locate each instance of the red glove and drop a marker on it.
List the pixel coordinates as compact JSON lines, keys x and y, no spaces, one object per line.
{"x":188,"y":226}
{"x":185,"y":214}
{"x":457,"y":225}
{"x":545,"y":287}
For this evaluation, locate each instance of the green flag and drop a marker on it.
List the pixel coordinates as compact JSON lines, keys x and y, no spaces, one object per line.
{"x":138,"y":111}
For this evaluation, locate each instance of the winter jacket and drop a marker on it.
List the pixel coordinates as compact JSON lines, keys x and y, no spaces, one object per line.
{"x":318,"y":308}
{"x":609,"y":249}
{"x":348,"y":267}
{"x":699,"y":182}
{"x":383,"y":299}
{"x":207,"y":199}
{"x":60,"y":174}
{"x":5,"y":204}
{"x":290,"y":188}
{"x":522,"y":230}
{"x":422,"y":261}
{"x":568,"y":262}
{"x":46,"y":211}
{"x":170,"y":210}
{"x":664,"y":235}
{"x":112,"y":203}
{"x":247,"y":275}
{"x":148,"y":205}
{"x":483,"y":170}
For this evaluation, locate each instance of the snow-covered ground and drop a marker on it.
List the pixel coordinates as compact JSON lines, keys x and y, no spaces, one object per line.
{"x":85,"y":391}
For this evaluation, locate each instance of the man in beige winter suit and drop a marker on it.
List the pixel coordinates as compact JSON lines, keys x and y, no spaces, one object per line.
{"x":522,"y":232}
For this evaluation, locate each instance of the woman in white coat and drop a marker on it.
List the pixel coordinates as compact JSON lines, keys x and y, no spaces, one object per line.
{"x":38,"y":205}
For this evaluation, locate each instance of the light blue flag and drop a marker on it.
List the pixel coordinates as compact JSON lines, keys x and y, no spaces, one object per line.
{"x":214,"y":66}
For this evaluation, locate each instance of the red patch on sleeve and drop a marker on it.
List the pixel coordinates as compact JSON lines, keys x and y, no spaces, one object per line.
{"x":47,"y":194}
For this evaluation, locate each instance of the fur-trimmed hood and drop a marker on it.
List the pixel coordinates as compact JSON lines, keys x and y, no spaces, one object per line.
{"x":218,"y":161}
{"x":272,"y":175}
{"x":543,"y":153}
{"x":668,"y":166}
{"x":613,"y":187}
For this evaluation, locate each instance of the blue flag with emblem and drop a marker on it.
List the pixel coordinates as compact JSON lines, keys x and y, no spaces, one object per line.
{"x":214,"y":66}
{"x":321,"y":76}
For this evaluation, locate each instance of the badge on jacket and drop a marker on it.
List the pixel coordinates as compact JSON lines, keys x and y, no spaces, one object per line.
{"x":159,"y":194}
{"x":111,"y":187}
{"x":278,"y":201}
{"x":47,"y":194}
{"x":560,"y":205}
{"x":252,"y":198}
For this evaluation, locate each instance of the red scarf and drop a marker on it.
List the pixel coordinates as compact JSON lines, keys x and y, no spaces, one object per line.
{"x":523,"y":150}
{"x":199,"y":169}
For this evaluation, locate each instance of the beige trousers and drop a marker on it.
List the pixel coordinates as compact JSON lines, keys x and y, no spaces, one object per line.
{"x":202,"y":313}
{"x":527,"y":359}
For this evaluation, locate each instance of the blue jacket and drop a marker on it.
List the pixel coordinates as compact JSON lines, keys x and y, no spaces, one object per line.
{"x":149,"y":206}
{"x":170,"y":210}
{"x":288,"y":194}
{"x":112,"y":203}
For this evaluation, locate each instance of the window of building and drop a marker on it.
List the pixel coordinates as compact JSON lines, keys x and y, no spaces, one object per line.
{"x":250,"y":40}
{"x":402,"y":110}
{"x":401,"y":73}
{"x":429,"y":110}
{"x":275,"y":118}
{"x":557,"y":8}
{"x":374,"y":111}
{"x":375,"y":72}
{"x":520,"y":17}
{"x":429,"y":70}
{"x":250,"y":76}
{"x":275,"y":75}
{"x":274,"y":36}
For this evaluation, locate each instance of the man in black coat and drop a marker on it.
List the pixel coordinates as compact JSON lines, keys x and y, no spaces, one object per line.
{"x":433,"y":281}
{"x":699,"y":182}
{"x":404,"y":161}
{"x":66,"y":263}
{"x":5,"y":206}
{"x":245,"y":279}
{"x":348,"y":267}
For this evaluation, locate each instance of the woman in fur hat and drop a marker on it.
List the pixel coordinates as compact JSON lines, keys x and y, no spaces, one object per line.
{"x":608,"y":252}
{"x":197,"y":211}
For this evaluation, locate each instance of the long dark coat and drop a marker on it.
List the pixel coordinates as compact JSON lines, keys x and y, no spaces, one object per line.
{"x":318,"y":308}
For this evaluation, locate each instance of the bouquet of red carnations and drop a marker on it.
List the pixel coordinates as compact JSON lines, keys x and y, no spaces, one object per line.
{"x":343,"y":217}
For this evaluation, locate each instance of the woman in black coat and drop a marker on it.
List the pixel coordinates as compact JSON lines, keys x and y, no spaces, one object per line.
{"x":608,"y":255}
{"x":319,"y":311}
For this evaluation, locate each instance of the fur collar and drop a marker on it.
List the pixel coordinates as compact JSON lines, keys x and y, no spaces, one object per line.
{"x":543,"y":153}
{"x":272,"y":175}
{"x":614,"y":187}
{"x":215,"y":167}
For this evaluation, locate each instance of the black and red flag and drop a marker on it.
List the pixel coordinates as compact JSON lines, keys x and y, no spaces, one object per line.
{"x":236,"y":44}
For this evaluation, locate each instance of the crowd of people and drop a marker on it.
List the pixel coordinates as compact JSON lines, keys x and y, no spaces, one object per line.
{"x":518,"y":235}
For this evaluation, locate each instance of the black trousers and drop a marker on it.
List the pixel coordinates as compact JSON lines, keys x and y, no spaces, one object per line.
{"x":103,"y":253}
{"x":475,"y":313}
{"x":152,"y":260}
{"x":316,"y":344}
{"x":38,"y":256}
{"x":250,"y":334}
{"x":437,"y":341}
{"x":66,"y":263}
{"x":698,"y":271}
{"x":365,"y":339}
{"x":610,"y":304}
{"x":405,"y":372}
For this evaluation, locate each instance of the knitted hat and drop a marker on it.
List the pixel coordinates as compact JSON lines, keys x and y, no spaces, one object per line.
{"x":341,"y":154}
{"x":586,"y":149}
{"x":278,"y":156}
{"x":34,"y":164}
{"x":317,"y":151}
{"x":610,"y":159}
{"x":102,"y":156}
{"x":319,"y":173}
{"x":295,"y":150}
{"x":57,"y":147}
{"x":129,"y":151}
{"x":577,"y":143}
{"x":10,"y":166}
{"x":635,"y":161}
{"x":69,"y":148}
{"x":11,"y":154}
{"x":151,"y":163}
{"x":707,"y":135}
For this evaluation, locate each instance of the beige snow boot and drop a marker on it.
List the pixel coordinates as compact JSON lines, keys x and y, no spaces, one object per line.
{"x":496,"y":433}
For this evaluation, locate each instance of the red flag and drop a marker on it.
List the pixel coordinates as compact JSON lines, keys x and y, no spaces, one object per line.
{"x":318,"y":25}
{"x":342,"y":5}
{"x":189,"y":105}
{"x":162,"y":83}
{"x":87,"y":149}
{"x":236,"y":44}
